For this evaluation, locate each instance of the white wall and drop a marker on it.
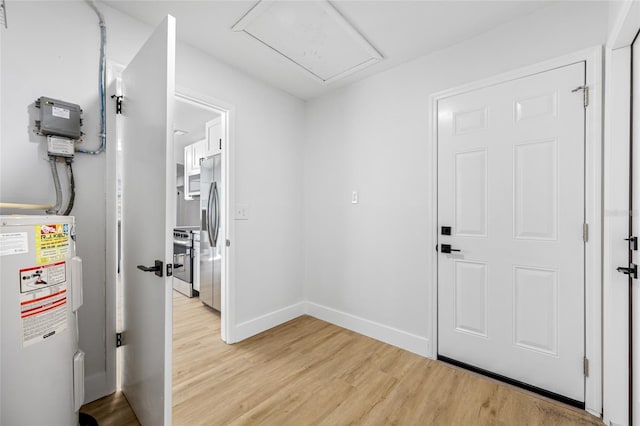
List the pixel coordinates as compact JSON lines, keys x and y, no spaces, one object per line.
{"x":64,"y":66}
{"x":617,"y":8}
{"x":367,"y":264}
{"x":267,"y":169}
{"x":51,"y":48}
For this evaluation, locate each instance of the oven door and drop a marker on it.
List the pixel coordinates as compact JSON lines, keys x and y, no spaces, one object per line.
{"x":182,"y":261}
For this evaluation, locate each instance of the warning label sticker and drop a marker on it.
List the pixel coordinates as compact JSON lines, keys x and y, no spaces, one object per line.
{"x":39,"y":277}
{"x":60,"y":112}
{"x":52,"y":242}
{"x":43,"y":302}
{"x":13,"y":243}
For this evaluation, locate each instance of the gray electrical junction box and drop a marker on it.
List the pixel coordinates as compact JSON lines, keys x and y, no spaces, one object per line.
{"x":59,"y":118}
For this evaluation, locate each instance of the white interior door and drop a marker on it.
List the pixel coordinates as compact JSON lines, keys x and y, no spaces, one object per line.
{"x":511,"y":187}
{"x":148,"y":202}
{"x":634,"y":294}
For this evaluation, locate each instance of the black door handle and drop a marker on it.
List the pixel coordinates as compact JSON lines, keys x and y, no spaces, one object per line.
{"x":632,"y":270}
{"x":446,"y":248}
{"x":156,"y":268}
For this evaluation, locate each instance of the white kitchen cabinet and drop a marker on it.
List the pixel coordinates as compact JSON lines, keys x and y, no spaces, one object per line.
{"x":198,"y":153}
{"x":214,"y":138}
{"x":188,"y":158}
{"x":192,"y":155}
{"x":209,"y":146}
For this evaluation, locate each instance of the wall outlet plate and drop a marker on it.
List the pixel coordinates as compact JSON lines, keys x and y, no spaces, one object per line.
{"x":242,"y":212}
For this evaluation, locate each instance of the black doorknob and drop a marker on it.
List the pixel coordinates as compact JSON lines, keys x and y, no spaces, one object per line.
{"x":446,"y":248}
{"x":632,"y":270}
{"x":156,"y":268}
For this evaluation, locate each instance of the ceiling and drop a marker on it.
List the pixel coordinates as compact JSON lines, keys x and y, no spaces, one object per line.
{"x":190,"y":118}
{"x":400,"y":30}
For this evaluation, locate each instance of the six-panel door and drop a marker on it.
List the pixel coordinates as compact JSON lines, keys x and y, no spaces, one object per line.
{"x":511,"y":187}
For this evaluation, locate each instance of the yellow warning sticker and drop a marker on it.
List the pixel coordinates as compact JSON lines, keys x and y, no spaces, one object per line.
{"x":52,"y":242}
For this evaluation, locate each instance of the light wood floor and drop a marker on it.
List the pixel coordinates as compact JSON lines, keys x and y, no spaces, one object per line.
{"x":310,"y":372}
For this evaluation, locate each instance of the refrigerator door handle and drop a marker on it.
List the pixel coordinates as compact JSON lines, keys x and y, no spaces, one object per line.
{"x":216,"y":227}
{"x":209,"y":216}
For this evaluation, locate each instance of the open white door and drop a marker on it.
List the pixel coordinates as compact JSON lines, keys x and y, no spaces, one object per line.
{"x":634,"y":293}
{"x":147,"y":198}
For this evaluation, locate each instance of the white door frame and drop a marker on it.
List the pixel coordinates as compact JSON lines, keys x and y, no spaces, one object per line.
{"x":111,"y":382}
{"x":114,"y":79}
{"x":593,"y":206}
{"x":617,"y":124}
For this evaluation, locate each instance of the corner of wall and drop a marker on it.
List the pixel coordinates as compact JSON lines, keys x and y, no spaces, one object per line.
{"x":95,"y":387}
{"x":407,"y":341}
{"x":255,"y":326}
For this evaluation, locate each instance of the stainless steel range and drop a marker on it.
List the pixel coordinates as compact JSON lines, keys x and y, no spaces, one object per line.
{"x":183,"y":255}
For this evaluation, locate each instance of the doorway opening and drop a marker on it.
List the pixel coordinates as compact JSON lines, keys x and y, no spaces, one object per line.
{"x":199,"y":279}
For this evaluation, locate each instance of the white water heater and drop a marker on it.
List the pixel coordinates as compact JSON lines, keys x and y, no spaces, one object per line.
{"x":42,"y":370}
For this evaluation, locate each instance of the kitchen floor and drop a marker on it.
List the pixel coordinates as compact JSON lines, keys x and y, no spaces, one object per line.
{"x":310,"y":372}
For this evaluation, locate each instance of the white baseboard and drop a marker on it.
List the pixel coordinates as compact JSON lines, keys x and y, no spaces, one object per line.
{"x":407,"y":341}
{"x":393,"y":336}
{"x":250,"y":328}
{"x":95,"y":387}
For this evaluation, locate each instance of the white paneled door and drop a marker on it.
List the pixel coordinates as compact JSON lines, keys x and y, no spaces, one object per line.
{"x":148,"y":195}
{"x":511,"y":192}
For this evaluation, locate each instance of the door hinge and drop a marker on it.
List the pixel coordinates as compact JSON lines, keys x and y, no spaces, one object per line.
{"x":228,"y":243}
{"x":119,"y":340}
{"x":585,"y":232}
{"x":118,"y":99}
{"x":585,"y":94}
{"x":585,"y":366}
{"x":220,"y":146}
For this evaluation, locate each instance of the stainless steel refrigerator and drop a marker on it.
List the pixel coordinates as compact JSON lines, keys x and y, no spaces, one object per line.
{"x":210,"y":239}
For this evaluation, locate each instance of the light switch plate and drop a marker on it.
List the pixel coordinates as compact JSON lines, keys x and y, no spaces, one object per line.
{"x":354,"y":197}
{"x":242,"y":212}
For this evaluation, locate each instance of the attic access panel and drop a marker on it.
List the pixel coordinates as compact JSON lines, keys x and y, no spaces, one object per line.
{"x":312,"y":35}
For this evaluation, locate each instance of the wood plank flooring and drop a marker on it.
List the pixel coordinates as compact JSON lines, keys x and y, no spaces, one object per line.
{"x":309,"y":372}
{"x":111,"y":410}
